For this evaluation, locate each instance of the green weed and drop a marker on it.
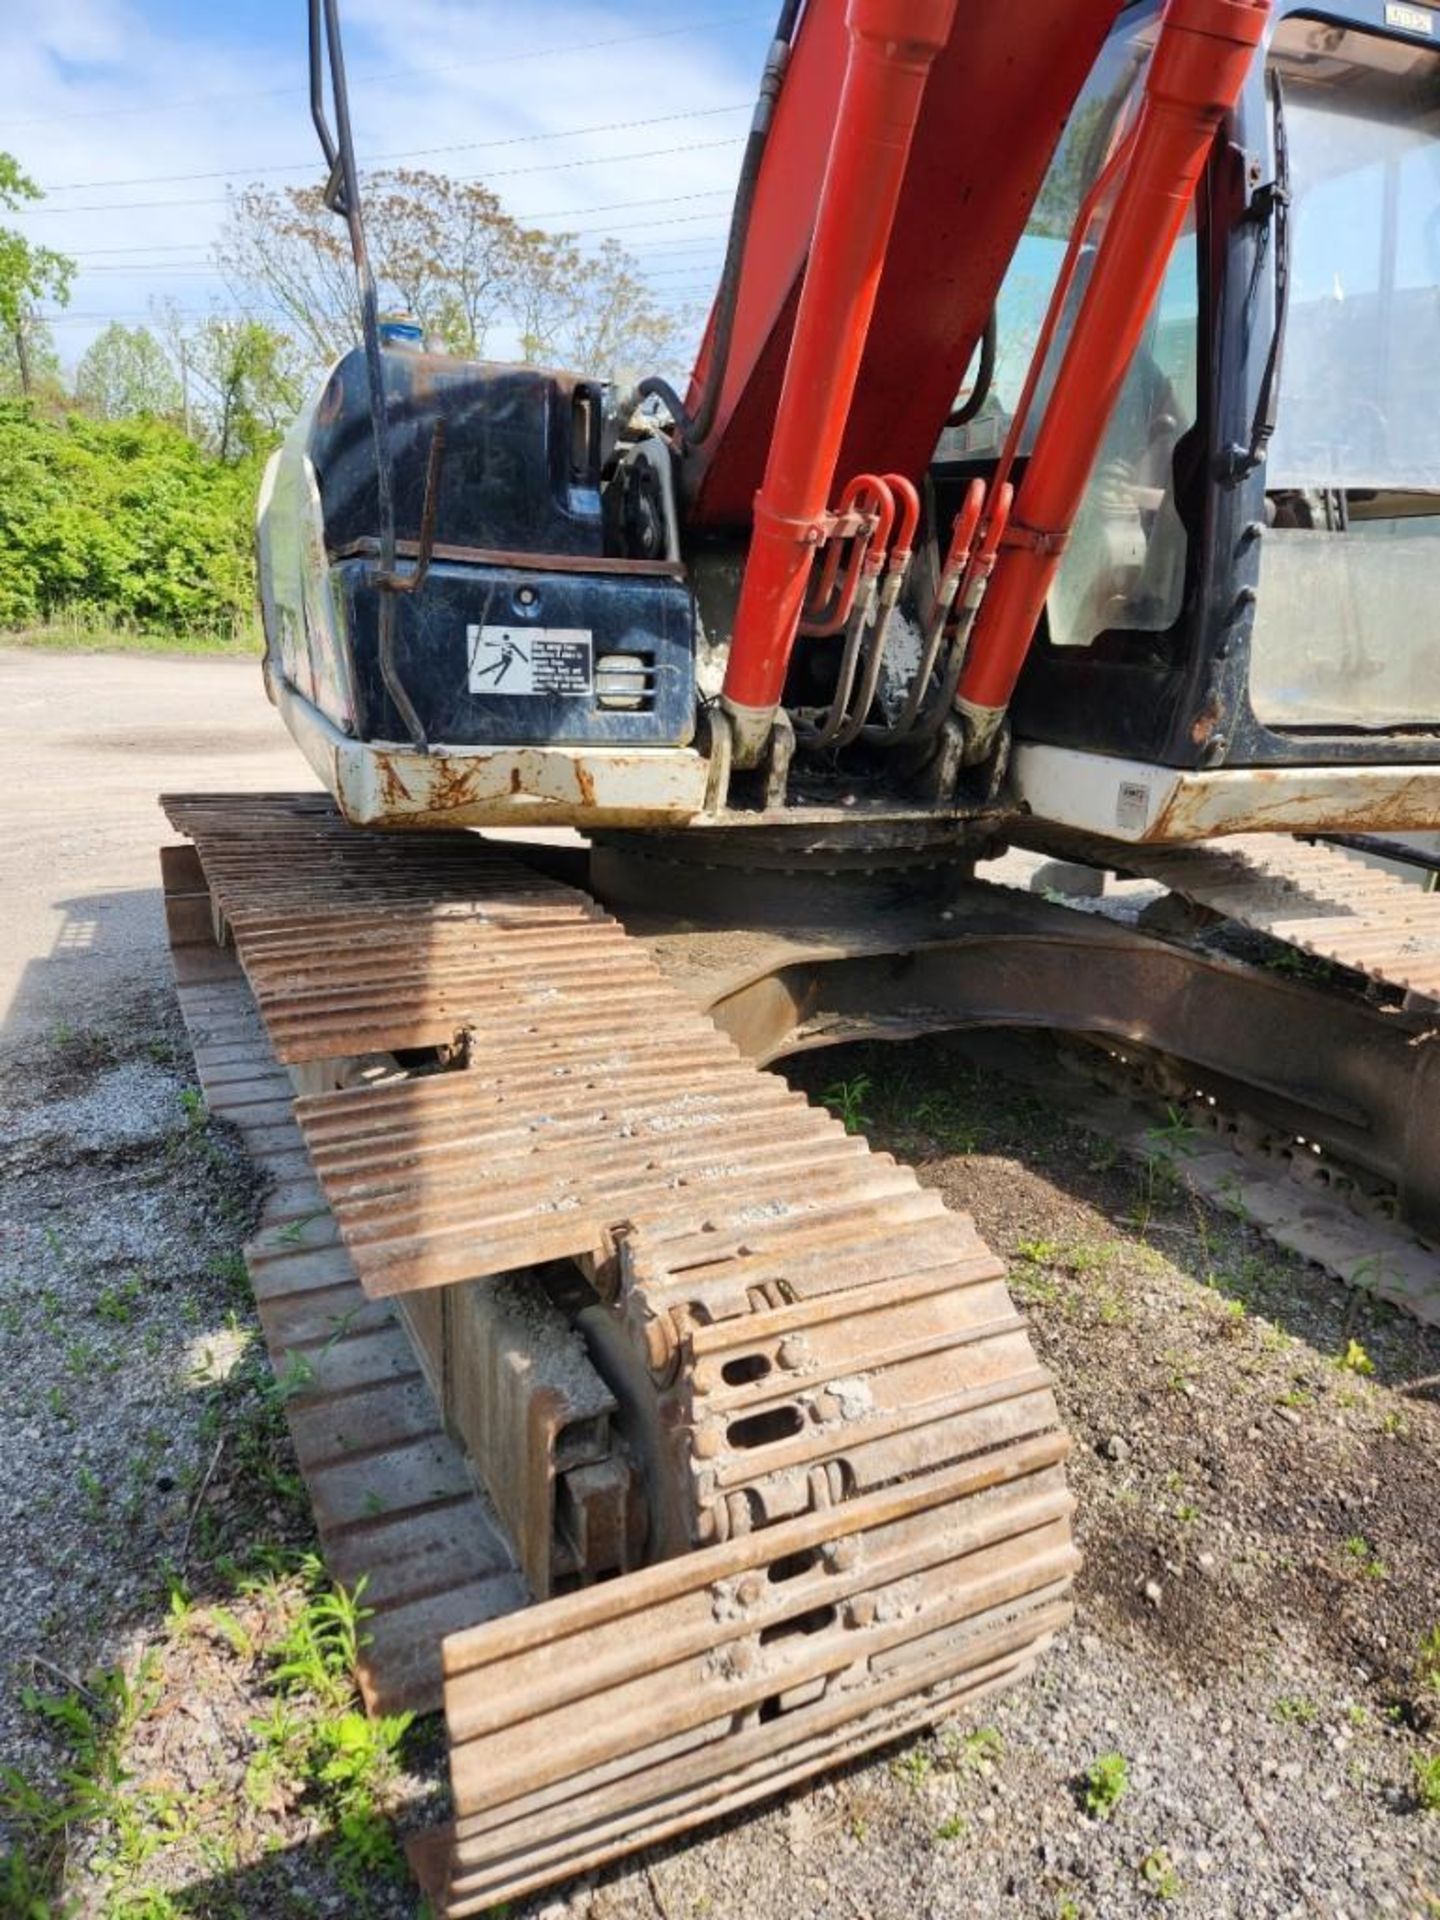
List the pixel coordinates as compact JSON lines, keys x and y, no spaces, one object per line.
{"x":117,"y":1304}
{"x":1293,"y":1709}
{"x":1157,"y":1870}
{"x":94,"y":1789}
{"x":1359,"y":1551}
{"x":1165,"y":1146}
{"x":914,"y":1767}
{"x":1427,"y":1661}
{"x":846,"y":1100}
{"x":1104,"y":1785}
{"x":319,"y":1654}
{"x":975,"y":1752}
{"x":1040,"y":1253}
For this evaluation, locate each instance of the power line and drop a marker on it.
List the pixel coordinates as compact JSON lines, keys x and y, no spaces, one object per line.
{"x":500,"y":173}
{"x":389,"y":75}
{"x":188,"y":269}
{"x":87,"y":319}
{"x":564,"y":213}
{"x":179,"y":246}
{"x":421,"y":153}
{"x":203,"y":246}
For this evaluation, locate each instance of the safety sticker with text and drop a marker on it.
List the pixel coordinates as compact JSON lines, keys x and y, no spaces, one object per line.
{"x":533,"y":660}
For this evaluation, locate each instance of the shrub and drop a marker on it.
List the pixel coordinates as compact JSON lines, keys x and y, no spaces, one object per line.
{"x":127,"y":519}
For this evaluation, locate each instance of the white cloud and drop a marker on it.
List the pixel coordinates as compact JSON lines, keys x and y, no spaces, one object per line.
{"x":99,"y":93}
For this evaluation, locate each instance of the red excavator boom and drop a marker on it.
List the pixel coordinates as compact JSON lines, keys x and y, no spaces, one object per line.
{"x":977,"y":156}
{"x":870,"y":376}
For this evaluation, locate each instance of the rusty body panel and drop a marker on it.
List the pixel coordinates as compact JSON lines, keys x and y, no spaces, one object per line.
{"x":377,"y":786}
{"x":664,"y":787}
{"x":1133,"y":801}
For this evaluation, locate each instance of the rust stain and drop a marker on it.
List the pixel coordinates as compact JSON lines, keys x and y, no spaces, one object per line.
{"x":451,"y":786}
{"x":1205,"y":723}
{"x":516,"y":784}
{"x":1274,"y":802}
{"x":391,"y":785}
{"x":585,"y":782}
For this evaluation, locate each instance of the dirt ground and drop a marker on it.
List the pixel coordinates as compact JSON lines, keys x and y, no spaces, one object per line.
{"x":89,"y":739}
{"x":1245,"y":1721}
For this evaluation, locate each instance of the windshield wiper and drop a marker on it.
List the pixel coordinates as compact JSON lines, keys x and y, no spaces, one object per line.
{"x":1270,"y":207}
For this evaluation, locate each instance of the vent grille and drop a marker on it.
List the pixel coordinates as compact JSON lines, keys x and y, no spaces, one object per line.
{"x":625,"y":682}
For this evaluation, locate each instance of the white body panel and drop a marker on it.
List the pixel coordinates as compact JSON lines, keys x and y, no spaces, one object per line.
{"x":394,"y":785}
{"x":1130,"y":800}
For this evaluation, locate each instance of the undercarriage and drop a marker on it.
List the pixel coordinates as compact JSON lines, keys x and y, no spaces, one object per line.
{"x":684,"y":1445}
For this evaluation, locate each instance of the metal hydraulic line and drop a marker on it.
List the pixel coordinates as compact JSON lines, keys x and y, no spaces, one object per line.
{"x":1196,"y":73}
{"x":893,"y":44}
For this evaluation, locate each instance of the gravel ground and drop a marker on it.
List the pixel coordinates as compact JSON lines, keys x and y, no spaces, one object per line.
{"x":1260,"y":1523}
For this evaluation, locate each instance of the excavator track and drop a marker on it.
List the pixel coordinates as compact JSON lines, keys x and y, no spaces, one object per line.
{"x":1323,"y":901}
{"x":854,"y":1465}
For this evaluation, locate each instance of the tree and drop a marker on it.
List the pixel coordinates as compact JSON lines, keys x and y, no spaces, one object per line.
{"x":28,"y":273}
{"x":254,"y":383}
{"x":590,"y":311}
{"x":244,"y":380}
{"x":31,"y":354}
{"x":440,"y":249}
{"x":125,"y":372}
{"x":446,"y":251}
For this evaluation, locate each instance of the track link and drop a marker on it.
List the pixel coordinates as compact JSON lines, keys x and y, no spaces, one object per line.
{"x":863,"y":1507}
{"x":1324,"y":902}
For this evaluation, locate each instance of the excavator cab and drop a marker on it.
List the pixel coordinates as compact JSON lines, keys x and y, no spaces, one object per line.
{"x":1250,"y":580}
{"x":1161,"y":572}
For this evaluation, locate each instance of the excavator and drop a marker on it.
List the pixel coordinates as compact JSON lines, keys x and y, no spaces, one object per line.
{"x":1059,"y":471}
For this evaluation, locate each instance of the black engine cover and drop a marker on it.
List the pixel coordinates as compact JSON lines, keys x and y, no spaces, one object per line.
{"x":512,"y":638}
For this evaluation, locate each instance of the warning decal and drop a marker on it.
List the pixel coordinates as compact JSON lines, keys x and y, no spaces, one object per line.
{"x":1132,"y":806}
{"x":530,"y":660}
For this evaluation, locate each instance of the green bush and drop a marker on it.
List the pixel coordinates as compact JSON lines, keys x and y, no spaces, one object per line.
{"x":127,"y":520}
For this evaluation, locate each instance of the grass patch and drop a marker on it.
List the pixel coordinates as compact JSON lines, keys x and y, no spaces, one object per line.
{"x":108,"y":1815}
{"x":77,"y":632}
{"x":93,"y":1791}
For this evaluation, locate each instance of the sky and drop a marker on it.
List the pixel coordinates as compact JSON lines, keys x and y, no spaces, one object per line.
{"x":135,"y":116}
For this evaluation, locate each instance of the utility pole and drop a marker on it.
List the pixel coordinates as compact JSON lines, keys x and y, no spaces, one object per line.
{"x":22,"y":355}
{"x":185,"y":384}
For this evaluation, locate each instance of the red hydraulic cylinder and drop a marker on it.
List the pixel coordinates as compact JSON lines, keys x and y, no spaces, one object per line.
{"x":892,"y":46}
{"x":1198,"y":67}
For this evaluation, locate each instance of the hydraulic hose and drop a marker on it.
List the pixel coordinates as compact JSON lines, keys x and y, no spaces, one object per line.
{"x":696,"y":429}
{"x":984,"y":378}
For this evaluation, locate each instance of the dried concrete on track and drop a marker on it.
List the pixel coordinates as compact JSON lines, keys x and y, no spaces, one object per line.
{"x":1261,"y":1521}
